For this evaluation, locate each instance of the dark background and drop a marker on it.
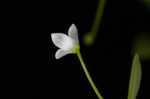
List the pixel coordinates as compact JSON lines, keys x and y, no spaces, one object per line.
{"x":108,"y":59}
{"x":33,"y":75}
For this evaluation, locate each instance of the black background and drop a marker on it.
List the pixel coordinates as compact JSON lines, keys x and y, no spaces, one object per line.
{"x":36,"y":75}
{"x":108,"y":59}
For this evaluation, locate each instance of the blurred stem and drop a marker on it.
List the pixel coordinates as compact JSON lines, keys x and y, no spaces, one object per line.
{"x":88,"y":75}
{"x":98,"y":17}
{"x":90,"y":37}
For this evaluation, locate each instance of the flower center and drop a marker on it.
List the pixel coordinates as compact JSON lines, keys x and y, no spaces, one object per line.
{"x":68,"y":44}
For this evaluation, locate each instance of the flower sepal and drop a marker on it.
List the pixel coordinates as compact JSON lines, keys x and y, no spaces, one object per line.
{"x":75,"y":49}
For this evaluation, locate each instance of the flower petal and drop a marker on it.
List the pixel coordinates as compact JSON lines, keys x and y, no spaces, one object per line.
{"x":63,"y":41}
{"x":73,"y":33}
{"x":60,"y":53}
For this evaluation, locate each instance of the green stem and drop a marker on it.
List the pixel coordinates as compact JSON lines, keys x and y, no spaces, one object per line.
{"x":90,"y":37}
{"x":98,"y":17}
{"x":88,"y":75}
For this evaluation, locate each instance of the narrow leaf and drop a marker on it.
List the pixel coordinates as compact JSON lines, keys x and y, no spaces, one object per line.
{"x":135,"y":78}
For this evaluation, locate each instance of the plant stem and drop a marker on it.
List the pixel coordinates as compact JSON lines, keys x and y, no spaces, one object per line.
{"x":88,"y":75}
{"x":98,"y":17}
{"x":90,"y":37}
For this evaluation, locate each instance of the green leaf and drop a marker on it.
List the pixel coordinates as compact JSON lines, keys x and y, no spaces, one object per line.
{"x":135,"y":78}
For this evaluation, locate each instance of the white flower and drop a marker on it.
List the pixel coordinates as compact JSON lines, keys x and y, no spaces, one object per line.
{"x":67,"y":43}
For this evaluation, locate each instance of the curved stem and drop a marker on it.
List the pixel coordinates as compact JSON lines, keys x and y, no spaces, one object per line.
{"x":88,"y":75}
{"x":90,"y":37}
